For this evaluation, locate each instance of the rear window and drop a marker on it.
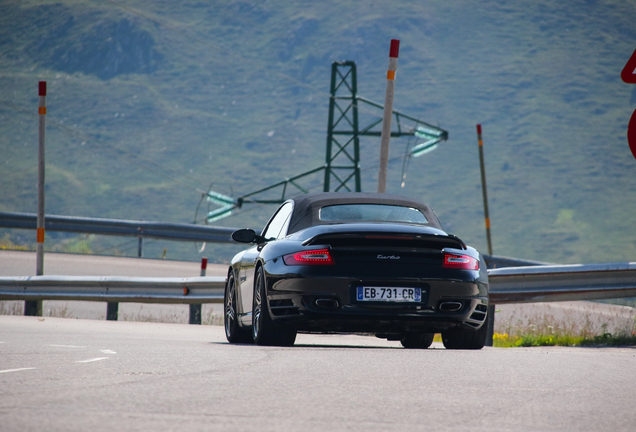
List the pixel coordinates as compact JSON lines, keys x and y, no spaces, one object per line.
{"x":372,"y":212}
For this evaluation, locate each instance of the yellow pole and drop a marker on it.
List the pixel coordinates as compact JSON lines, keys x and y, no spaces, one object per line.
{"x":484,"y":188}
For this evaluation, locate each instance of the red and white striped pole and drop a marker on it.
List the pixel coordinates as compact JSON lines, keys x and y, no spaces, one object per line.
{"x":34,"y":307}
{"x":40,"y":221}
{"x":388,"y":112}
{"x":204,"y":266}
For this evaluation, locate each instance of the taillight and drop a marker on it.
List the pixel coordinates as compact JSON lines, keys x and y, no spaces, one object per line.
{"x":461,"y":262}
{"x":310,"y":257}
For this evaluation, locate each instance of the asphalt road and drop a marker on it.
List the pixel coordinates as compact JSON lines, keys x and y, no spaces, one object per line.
{"x":72,"y":375}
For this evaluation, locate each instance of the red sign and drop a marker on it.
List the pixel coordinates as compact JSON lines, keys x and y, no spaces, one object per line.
{"x":629,"y":71}
{"x":631,"y":134}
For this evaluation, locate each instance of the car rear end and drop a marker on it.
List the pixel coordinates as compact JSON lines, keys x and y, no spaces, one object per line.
{"x":381,"y":278}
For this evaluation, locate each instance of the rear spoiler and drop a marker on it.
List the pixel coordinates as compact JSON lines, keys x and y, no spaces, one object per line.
{"x":409,"y":239}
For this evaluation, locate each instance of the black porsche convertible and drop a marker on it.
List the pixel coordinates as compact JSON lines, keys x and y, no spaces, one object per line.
{"x":356,"y":263}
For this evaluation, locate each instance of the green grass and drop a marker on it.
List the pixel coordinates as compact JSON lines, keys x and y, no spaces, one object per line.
{"x":581,"y":324}
{"x":534,"y":340}
{"x":528,"y":340}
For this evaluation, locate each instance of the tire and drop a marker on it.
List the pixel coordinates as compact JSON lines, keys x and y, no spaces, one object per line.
{"x":233,"y":332}
{"x":417,"y":340}
{"x":264,"y":330}
{"x":466,"y":338}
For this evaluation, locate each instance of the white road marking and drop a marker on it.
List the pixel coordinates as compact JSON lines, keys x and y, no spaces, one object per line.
{"x":91,"y":360}
{"x":67,"y":346}
{"x":108,"y":352}
{"x":15,"y":370}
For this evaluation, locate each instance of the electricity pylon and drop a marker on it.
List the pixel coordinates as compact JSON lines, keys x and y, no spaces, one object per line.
{"x":342,"y":158}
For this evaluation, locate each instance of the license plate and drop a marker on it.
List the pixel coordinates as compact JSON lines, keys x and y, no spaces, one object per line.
{"x":389,"y":294}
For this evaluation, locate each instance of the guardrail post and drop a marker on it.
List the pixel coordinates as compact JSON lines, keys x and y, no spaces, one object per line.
{"x":195,"y":313}
{"x":33,"y":308}
{"x":112,"y":311}
{"x":195,"y":309}
{"x":140,"y":247}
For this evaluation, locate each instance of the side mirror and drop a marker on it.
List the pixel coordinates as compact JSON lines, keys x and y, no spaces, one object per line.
{"x":245,"y":235}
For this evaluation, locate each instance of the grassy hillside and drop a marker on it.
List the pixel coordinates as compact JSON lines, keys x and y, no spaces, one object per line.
{"x":151,"y":102}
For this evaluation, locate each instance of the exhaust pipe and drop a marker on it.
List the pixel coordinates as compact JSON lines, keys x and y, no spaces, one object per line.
{"x":451,"y":306}
{"x":327,"y":303}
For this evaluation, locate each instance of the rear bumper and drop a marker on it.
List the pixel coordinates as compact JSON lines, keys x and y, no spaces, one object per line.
{"x":329,"y":305}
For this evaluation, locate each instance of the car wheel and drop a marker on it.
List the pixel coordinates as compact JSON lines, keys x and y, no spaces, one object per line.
{"x":466,"y":338}
{"x":264,"y":330}
{"x":417,"y":340}
{"x":233,"y":332}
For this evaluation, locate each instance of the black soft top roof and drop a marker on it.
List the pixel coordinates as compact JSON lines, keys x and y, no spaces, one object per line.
{"x":307,"y":207}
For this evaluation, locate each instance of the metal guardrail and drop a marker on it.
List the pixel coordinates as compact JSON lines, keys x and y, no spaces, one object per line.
{"x":562,"y":283}
{"x":512,"y":280}
{"x":507,"y":285}
{"x":193,"y":290}
{"x":116,"y":227}
{"x":536,"y":283}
